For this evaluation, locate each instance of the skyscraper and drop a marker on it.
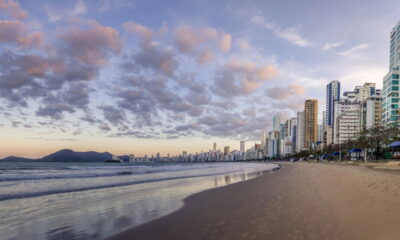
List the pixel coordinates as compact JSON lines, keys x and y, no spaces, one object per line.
{"x":264,"y":142}
{"x":226,"y":150}
{"x":215,"y":147}
{"x":242,"y":146}
{"x":276,"y":123}
{"x":300,"y":132}
{"x":310,"y":122}
{"x":390,"y":93}
{"x":332,"y":94}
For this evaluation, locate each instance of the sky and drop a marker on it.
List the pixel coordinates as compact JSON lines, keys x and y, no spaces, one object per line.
{"x":152,"y":76}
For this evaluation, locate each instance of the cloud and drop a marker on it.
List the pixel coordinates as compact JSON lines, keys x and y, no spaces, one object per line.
{"x":13,"y":9}
{"x":79,"y":8}
{"x":92,"y":45}
{"x":56,"y":76}
{"x":53,"y":17}
{"x":104,"y":127}
{"x":329,"y":46}
{"x":15,"y":32}
{"x":21,"y":70}
{"x":282,"y":93}
{"x":54,"y":110}
{"x":201,"y":43}
{"x":114,"y":115}
{"x":354,"y":52}
{"x":290,"y":34}
{"x":187,"y":39}
{"x":225,"y":42}
{"x":243,"y":44}
{"x":144,"y":33}
{"x":241,"y":78}
{"x":76,"y":94}
{"x":205,"y":57}
{"x":109,"y":5}
{"x":152,"y":58}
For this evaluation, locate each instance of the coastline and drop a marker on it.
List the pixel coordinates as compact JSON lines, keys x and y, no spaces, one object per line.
{"x":300,"y":201}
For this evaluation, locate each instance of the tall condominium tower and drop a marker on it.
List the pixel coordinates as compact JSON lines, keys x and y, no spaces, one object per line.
{"x":276,"y":123}
{"x":332,"y":94}
{"x":242,"y":146}
{"x":310,"y":122}
{"x":390,"y":93}
{"x":226,"y":150}
{"x":300,"y":132}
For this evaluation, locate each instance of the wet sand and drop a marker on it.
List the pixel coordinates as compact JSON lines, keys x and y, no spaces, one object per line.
{"x":300,"y":201}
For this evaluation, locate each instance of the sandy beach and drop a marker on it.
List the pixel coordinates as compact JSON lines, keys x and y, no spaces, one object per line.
{"x":300,"y":201}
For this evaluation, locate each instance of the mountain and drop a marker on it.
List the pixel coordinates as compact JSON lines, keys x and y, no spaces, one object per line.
{"x":67,"y":155}
{"x":17,"y":159}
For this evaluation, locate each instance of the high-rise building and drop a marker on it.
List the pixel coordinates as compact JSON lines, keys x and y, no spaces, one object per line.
{"x":273,"y":143}
{"x":276,"y":123}
{"x":264,"y":143}
{"x":390,"y":91}
{"x":371,"y":111}
{"x":347,"y":120}
{"x":361,"y":93}
{"x":242,"y":147}
{"x":226,"y":150}
{"x":352,"y":111}
{"x":294,"y":134}
{"x":320,"y":138}
{"x":300,"y":132}
{"x":288,"y":142}
{"x":215,"y":147}
{"x":310,"y":122}
{"x":332,"y":94}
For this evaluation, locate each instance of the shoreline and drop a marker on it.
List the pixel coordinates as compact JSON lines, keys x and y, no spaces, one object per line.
{"x":300,"y":201}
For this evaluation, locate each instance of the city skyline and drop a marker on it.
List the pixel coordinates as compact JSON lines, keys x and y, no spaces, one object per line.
{"x":104,"y":76}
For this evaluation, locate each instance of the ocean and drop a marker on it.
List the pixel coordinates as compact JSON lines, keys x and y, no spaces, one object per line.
{"x":98,"y":200}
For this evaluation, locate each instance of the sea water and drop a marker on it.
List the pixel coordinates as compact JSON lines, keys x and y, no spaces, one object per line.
{"x":98,"y":200}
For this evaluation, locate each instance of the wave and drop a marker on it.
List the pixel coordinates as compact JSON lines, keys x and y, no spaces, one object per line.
{"x":121,"y":184}
{"x":91,"y":172}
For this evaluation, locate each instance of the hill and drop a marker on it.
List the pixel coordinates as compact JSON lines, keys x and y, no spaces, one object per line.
{"x":17,"y":159}
{"x":68,"y":155}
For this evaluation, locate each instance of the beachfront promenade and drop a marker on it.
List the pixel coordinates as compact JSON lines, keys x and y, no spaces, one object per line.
{"x":299,"y":201}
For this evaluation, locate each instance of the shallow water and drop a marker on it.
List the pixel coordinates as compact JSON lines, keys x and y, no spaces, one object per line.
{"x":97,"y":200}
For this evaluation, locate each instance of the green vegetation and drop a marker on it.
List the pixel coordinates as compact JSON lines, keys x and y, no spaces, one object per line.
{"x":373,"y":142}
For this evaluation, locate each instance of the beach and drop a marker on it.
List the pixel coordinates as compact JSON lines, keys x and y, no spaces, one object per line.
{"x":42,"y":200}
{"x":299,"y":201}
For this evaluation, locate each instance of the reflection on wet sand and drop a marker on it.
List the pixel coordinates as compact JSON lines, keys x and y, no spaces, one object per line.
{"x":97,"y":214}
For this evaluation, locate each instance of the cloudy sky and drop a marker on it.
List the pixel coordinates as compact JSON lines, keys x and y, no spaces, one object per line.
{"x":151,"y":76}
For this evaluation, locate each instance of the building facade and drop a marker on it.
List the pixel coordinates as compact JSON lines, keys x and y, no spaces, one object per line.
{"x":300,"y":132}
{"x":332,"y":94}
{"x":371,"y":112}
{"x":390,"y":91}
{"x":242,"y":146}
{"x":347,"y":120}
{"x":226,"y":150}
{"x":273,"y":144}
{"x":310,"y":123}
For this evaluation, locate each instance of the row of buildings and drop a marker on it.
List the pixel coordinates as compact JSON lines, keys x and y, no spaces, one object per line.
{"x":344,"y":117}
{"x":213,"y":155}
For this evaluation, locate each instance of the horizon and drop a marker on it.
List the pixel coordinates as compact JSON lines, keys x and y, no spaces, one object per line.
{"x":146,"y":77}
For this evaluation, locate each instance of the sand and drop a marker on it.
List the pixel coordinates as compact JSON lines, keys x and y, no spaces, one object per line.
{"x":300,"y":201}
